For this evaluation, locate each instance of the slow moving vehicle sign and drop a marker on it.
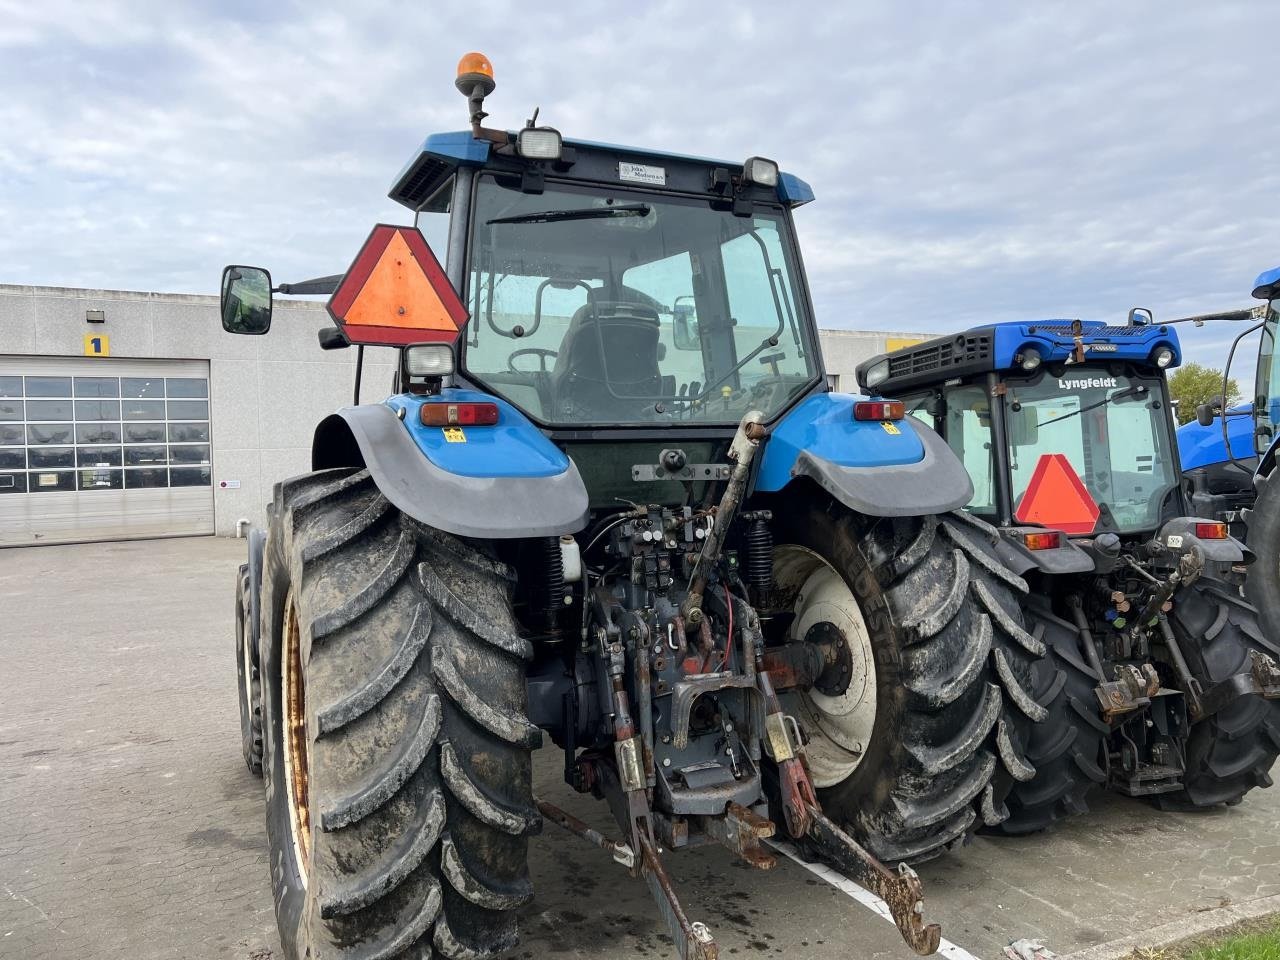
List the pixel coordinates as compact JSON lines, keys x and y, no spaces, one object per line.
{"x":396,"y":292}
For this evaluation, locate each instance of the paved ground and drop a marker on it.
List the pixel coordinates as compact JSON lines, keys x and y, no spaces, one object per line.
{"x":129,"y":827}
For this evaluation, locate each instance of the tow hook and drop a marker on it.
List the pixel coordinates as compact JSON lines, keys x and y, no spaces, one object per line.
{"x":902,"y":891}
{"x":1132,"y":689}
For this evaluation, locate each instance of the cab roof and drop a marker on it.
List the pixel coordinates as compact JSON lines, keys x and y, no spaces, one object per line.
{"x":442,"y":153}
{"x":997,"y":346}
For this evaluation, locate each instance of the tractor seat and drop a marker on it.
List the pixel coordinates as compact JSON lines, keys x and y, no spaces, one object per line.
{"x":608,"y":361}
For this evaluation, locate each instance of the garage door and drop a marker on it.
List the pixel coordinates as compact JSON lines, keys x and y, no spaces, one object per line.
{"x":101,"y":449}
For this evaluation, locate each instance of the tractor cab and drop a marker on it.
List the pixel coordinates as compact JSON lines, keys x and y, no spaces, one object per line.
{"x":625,"y":293}
{"x":1267,"y":384}
{"x":1061,"y":424}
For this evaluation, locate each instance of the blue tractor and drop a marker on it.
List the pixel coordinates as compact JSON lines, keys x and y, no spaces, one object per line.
{"x":612,"y":501}
{"x":1231,"y":457}
{"x":1159,"y":682}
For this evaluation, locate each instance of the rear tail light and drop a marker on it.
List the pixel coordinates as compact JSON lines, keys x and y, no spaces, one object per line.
{"x":879,"y":410}
{"x":1211,"y":531}
{"x":1042,"y":541}
{"x":459,"y":414}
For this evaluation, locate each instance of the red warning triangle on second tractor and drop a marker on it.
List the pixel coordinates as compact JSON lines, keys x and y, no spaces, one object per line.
{"x":396,"y":292}
{"x":1056,"y":497}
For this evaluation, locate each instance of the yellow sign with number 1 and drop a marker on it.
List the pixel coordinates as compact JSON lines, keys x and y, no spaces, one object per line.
{"x":97,"y":345}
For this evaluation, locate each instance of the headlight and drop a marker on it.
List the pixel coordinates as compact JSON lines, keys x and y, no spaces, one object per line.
{"x":876,"y":374}
{"x":1163,"y":357}
{"x":760,"y":171}
{"x":1029,"y":358}
{"x":429,"y":360}
{"x":538,"y":143}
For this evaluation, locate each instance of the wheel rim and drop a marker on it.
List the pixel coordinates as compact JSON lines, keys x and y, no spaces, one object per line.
{"x":293,"y":696}
{"x":839,"y":725}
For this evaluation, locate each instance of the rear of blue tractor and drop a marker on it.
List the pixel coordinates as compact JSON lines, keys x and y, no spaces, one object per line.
{"x":620,"y":509}
{"x":1159,"y":682}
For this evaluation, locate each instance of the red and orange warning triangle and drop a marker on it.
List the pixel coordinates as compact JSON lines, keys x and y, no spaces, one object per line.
{"x":396,"y":292}
{"x":1056,"y":498}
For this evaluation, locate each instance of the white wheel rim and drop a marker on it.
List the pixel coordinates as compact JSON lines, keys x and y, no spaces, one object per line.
{"x":839,"y":727}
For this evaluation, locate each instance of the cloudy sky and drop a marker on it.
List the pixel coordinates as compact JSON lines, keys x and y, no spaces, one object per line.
{"x":1025,"y":161}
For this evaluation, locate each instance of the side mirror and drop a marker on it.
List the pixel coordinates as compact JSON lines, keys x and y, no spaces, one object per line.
{"x":685,"y":326}
{"x":331,"y":338}
{"x":1205,"y":413}
{"x":246,"y":300}
{"x":1140,"y":317}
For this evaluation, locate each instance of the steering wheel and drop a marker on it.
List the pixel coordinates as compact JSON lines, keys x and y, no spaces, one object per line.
{"x":542,"y":353}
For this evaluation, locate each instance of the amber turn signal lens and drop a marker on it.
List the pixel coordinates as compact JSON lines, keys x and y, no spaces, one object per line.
{"x":1211,"y":531}
{"x":1042,"y":541}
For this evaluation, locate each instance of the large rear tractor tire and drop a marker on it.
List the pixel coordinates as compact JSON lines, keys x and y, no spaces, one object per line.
{"x":1262,"y":520}
{"x":398,"y":773}
{"x":1231,"y":751}
{"x":1068,"y":749}
{"x":249,"y":689}
{"x":929,"y":733}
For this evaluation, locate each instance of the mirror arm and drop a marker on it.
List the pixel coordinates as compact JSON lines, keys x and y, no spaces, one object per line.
{"x":320,"y":286}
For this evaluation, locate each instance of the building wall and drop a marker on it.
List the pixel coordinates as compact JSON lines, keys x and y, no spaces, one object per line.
{"x":843,"y":350}
{"x":266,"y":393}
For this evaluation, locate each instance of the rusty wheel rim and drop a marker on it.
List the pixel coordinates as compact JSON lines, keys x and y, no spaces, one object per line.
{"x":296,"y":765}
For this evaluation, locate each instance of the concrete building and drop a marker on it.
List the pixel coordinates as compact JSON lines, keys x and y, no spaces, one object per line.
{"x":134,"y":415}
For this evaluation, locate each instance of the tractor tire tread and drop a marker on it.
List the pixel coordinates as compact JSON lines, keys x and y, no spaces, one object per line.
{"x":400,"y":864}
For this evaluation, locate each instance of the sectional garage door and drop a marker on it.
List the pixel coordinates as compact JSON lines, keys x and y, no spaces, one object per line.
{"x":102,"y":449}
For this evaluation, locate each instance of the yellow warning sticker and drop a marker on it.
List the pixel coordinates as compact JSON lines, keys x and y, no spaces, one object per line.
{"x":890,"y":428}
{"x":454,"y":435}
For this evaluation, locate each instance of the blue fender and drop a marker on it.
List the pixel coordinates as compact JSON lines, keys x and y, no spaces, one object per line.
{"x":880,"y":469}
{"x":501,"y":481}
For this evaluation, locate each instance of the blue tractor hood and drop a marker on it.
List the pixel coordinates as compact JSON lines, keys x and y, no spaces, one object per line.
{"x":1203,"y":446}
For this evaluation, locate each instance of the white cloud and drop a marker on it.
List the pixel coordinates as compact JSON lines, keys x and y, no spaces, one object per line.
{"x":1019,"y":162}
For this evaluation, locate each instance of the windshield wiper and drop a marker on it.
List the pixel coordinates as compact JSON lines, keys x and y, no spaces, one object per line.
{"x":582,"y":213}
{"x":1127,"y":392}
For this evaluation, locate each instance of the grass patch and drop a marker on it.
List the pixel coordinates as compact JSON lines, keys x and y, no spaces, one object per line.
{"x":1257,"y":939}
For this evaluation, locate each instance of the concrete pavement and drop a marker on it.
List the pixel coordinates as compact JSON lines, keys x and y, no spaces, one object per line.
{"x":129,"y":826}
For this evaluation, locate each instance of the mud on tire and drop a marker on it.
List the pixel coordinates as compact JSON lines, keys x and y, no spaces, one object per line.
{"x":418,"y":749}
{"x":1068,"y":749}
{"x":1230,"y":752}
{"x":953,"y":675}
{"x":249,"y":689}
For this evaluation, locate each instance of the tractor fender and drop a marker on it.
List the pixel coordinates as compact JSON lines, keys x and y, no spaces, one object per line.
{"x":880,"y":469}
{"x":500,"y":481}
{"x":1066,"y":557}
{"x":1179,"y":535}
